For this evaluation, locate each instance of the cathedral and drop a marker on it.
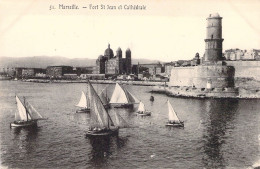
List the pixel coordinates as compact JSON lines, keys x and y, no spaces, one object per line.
{"x":114,"y":64}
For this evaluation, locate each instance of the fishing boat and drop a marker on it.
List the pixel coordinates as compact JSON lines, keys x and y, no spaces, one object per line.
{"x":141,"y":110}
{"x":151,"y":98}
{"x":122,"y":98}
{"x":101,"y":123}
{"x":26,"y":116}
{"x":173,"y":118}
{"x":83,"y":104}
{"x":104,"y":98}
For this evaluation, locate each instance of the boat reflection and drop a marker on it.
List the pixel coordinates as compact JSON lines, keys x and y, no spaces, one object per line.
{"x":81,"y":118}
{"x":103,"y":148}
{"x":219,"y":117}
{"x":25,"y":141}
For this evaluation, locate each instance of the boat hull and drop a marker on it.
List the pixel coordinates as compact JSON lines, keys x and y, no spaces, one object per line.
{"x":151,"y":98}
{"x":110,"y":132}
{"x":122,"y":105}
{"x":32,"y":123}
{"x":146,"y":113}
{"x":83,"y":111}
{"x":175,"y":124}
{"x":107,"y":106}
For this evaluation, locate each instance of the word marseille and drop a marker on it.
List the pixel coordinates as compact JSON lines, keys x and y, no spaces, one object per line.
{"x":102,"y":7}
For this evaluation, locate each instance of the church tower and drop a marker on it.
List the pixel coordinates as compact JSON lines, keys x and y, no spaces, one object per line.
{"x":213,"y":49}
{"x":128,"y":61}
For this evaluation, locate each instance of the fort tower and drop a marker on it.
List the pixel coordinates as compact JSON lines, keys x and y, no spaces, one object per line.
{"x":213,"y":41}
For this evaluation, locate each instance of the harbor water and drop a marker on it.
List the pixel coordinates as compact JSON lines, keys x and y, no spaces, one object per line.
{"x":218,"y":133}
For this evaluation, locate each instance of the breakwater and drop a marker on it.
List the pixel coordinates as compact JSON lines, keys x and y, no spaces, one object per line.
{"x":140,"y":83}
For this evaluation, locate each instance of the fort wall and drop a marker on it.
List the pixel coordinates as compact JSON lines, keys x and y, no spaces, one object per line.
{"x":220,"y":76}
{"x":182,"y":76}
{"x":247,"y":69}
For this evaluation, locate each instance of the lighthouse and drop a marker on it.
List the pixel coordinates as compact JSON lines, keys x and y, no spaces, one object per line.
{"x":213,"y":41}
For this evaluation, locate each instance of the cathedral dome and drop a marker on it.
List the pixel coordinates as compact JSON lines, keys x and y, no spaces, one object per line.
{"x":214,"y":15}
{"x":109,"y":52}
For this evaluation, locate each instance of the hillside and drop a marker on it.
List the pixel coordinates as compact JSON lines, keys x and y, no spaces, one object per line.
{"x":44,"y":61}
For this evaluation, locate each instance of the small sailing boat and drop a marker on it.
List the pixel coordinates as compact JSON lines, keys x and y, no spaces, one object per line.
{"x":173,"y":118}
{"x":26,"y":116}
{"x":101,"y":123}
{"x":104,"y":98}
{"x":83,"y":104}
{"x":122,"y":98}
{"x":151,"y":98}
{"x":141,"y":110}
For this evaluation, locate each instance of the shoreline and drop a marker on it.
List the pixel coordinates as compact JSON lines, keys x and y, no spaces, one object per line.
{"x":130,"y":82}
{"x":162,"y":88}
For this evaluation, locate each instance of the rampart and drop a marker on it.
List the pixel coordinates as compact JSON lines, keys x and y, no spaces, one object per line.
{"x":220,"y":76}
{"x":247,"y":69}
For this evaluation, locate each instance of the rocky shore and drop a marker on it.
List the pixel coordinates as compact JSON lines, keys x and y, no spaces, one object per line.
{"x":245,"y":88}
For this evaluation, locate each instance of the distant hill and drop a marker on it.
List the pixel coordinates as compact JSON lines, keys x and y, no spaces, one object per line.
{"x":44,"y":61}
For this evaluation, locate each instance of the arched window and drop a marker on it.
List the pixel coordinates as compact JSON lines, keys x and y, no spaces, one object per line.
{"x":211,"y":36}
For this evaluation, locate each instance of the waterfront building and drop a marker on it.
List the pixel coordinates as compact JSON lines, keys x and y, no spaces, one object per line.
{"x":58,"y":71}
{"x":21,"y":72}
{"x":151,"y":68}
{"x":7,"y":71}
{"x":82,"y":70}
{"x":114,"y":65}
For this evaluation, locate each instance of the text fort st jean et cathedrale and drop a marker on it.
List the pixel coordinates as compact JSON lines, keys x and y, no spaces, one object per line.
{"x":102,"y":7}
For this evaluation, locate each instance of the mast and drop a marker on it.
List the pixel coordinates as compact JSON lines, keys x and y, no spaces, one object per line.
{"x":106,"y":95}
{"x":87,"y":97}
{"x":25,"y":109}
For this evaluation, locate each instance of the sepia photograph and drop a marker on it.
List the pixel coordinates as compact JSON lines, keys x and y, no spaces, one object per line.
{"x":128,"y":84}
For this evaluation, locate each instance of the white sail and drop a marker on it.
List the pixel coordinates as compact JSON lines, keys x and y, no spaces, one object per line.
{"x":141,"y":107}
{"x":83,"y":101}
{"x":103,"y":97}
{"x":99,"y":116}
{"x":119,"y":95}
{"x":22,"y":114}
{"x":172,"y":114}
{"x":132,"y":98}
{"x":120,"y":122}
{"x":32,"y":111}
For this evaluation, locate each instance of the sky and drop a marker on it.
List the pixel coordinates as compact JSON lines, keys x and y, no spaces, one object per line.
{"x":167,"y":30}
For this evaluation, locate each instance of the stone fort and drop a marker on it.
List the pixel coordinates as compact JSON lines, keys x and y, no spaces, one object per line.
{"x":213,"y":75}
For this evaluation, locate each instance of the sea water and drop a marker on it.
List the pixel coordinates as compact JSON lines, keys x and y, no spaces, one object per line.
{"x":218,"y":133}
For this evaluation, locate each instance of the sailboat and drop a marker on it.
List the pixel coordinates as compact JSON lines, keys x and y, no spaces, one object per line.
{"x":173,"y":118}
{"x":83,"y":104}
{"x":26,"y":116}
{"x":141,"y":110}
{"x":104,"y":98}
{"x":122,"y":98}
{"x":120,"y":122}
{"x":101,"y":123}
